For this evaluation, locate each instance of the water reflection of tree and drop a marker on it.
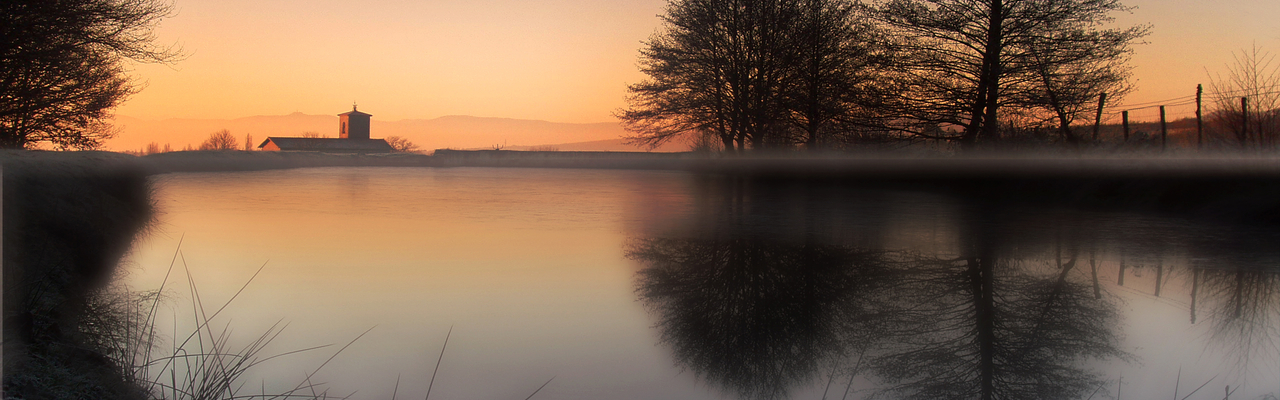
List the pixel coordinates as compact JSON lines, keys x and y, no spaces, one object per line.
{"x":759,"y":316}
{"x":981,"y":327}
{"x":750,"y":314}
{"x":1243,"y":304}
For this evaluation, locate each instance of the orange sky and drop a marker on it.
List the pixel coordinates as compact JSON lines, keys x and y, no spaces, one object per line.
{"x":555,"y":60}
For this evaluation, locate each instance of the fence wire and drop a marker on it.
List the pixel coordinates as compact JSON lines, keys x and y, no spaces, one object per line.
{"x":1217,"y":129}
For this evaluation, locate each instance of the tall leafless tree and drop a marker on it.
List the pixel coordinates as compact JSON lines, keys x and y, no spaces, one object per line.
{"x":838,"y":77}
{"x":751,"y":72}
{"x":61,"y":66}
{"x":1075,"y":69}
{"x":707,"y":72}
{"x":970,"y":58}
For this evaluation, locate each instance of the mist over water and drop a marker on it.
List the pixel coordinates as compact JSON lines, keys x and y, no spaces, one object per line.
{"x":674,"y":285}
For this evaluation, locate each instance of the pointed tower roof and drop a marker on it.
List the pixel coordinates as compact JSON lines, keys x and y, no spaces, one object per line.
{"x":355,"y":112}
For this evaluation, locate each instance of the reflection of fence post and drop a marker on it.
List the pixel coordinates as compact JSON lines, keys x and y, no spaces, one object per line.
{"x":1159,"y":276}
{"x":1125,"y":116}
{"x":1093,"y":268}
{"x":1097,"y":121}
{"x":1199,"y":119}
{"x":1164,"y":130}
{"x":1120,"y":280}
{"x":1,"y":278}
{"x":1195,"y":287}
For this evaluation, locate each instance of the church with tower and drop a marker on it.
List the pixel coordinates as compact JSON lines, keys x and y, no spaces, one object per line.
{"x":353,"y":137}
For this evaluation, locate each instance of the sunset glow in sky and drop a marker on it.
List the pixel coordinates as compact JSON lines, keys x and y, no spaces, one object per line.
{"x":555,"y":60}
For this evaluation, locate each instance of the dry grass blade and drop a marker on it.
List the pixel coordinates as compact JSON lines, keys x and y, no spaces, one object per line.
{"x":290,"y":353}
{"x":1201,"y":387}
{"x":151,"y":314}
{"x":1095,"y":391}
{"x":326,"y":362}
{"x":396,"y":390}
{"x":198,"y":311}
{"x":204,"y":365}
{"x":539,"y":388}
{"x":433,"y":373}
{"x":1177,"y":382}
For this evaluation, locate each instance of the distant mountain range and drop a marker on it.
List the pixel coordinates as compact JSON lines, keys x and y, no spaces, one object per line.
{"x":454,"y":131}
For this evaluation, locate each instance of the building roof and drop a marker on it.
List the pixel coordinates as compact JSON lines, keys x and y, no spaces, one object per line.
{"x":329,"y":144}
{"x":354,"y":112}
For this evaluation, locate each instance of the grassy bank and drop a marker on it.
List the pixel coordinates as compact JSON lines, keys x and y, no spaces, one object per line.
{"x":230,"y":161}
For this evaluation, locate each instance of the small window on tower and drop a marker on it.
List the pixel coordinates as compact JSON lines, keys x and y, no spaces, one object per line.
{"x":344,"y":129}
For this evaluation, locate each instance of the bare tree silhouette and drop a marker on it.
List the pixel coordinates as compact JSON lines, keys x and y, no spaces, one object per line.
{"x":968,"y":59}
{"x":1074,"y":73}
{"x":758,"y":73}
{"x":1253,"y":74}
{"x":62,"y":67}
{"x":837,"y":83}
{"x":401,"y":145}
{"x":220,"y":140}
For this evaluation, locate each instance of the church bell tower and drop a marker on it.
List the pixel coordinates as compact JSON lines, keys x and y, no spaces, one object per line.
{"x":353,"y":124}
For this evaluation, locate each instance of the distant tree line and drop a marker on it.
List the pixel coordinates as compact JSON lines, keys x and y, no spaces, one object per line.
{"x":224,"y":140}
{"x":831,"y":74}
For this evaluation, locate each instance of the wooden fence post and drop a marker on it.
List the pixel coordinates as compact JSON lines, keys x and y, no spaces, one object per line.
{"x":1199,"y":117}
{"x":1244,"y":119}
{"x":1164,"y":130}
{"x":1097,"y":121}
{"x":1125,"y":116}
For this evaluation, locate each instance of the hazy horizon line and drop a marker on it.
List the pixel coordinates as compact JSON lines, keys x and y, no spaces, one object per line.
{"x":336,"y":115}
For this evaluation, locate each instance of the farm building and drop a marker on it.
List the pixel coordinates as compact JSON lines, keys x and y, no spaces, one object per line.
{"x":353,"y":137}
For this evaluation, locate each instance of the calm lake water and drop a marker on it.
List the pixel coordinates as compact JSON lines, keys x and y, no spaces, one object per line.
{"x":668,"y":285}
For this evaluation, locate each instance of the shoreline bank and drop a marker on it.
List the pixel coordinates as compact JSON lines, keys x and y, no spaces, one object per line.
{"x":1220,"y":187}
